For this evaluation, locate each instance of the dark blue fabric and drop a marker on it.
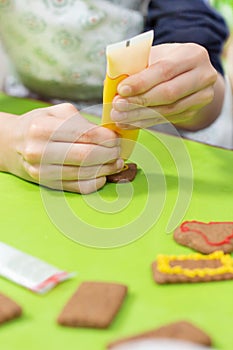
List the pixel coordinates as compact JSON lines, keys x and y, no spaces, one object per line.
{"x":184,"y":21}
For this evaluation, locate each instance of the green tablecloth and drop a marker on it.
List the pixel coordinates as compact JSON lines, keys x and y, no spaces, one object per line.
{"x":27,"y":223}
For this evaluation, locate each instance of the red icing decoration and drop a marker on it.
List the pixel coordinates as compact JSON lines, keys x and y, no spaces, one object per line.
{"x":184,"y":228}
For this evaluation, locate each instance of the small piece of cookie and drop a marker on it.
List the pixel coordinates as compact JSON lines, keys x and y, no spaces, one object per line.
{"x":126,"y":175}
{"x":206,"y":237}
{"x":193,"y":268}
{"x":8,"y":309}
{"x":93,"y":305}
{"x":182,"y":330}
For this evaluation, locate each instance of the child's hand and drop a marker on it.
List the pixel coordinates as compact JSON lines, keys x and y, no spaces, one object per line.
{"x":178,"y":83}
{"x":60,"y":149}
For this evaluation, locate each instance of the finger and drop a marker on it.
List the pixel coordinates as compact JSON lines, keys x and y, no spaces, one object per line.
{"x":68,"y":172}
{"x":173,"y":113}
{"x":136,"y":114}
{"x":195,"y":101}
{"x":163,"y":69}
{"x":140,"y":124}
{"x":157,"y":73}
{"x":78,"y":154}
{"x":65,"y":124}
{"x":180,"y":120}
{"x":83,"y":187}
{"x":169,"y":92}
{"x":78,"y":129}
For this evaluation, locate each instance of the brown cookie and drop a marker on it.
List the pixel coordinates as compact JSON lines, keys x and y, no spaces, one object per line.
{"x":8,"y":309}
{"x":181,"y":330}
{"x":94,"y":305}
{"x":193,"y":268}
{"x":126,"y":175}
{"x":206,"y":237}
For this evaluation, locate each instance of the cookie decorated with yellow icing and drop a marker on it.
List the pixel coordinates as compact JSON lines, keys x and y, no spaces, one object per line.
{"x":192,"y":268}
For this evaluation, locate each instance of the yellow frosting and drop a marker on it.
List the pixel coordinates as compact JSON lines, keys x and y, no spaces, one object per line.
{"x":163,"y":264}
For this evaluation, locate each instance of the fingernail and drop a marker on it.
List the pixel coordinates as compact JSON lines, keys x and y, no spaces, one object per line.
{"x":124,"y":90}
{"x":120,"y":163}
{"x":118,"y":116}
{"x":120,"y":104}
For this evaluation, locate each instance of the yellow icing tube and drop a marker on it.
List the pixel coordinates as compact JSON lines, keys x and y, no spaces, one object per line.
{"x":124,"y":59}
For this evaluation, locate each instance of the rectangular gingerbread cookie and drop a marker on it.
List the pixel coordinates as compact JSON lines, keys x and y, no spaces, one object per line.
{"x":180,"y":330}
{"x":94,"y":305}
{"x":9,"y":309}
{"x":193,"y":268}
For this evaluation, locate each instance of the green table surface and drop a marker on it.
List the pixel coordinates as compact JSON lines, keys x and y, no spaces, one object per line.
{"x":27,"y":224}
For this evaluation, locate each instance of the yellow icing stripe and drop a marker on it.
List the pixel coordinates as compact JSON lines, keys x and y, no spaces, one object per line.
{"x":163,"y":264}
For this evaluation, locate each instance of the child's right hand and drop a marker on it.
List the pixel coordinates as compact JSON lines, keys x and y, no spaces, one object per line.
{"x":178,"y":84}
{"x":58,"y":148}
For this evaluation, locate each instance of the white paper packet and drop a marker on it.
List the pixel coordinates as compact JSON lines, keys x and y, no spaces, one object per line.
{"x":29,"y":271}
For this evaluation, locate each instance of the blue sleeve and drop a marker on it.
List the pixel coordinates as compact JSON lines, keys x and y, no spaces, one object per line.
{"x":189,"y":21}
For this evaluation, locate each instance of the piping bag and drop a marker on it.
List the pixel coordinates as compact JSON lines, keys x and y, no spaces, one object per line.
{"x":124,"y":58}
